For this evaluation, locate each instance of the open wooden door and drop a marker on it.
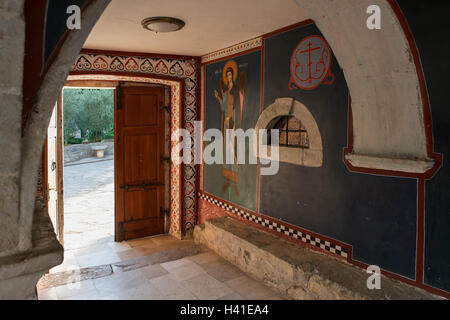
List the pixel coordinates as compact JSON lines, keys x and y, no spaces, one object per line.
{"x":53,"y":171}
{"x":139,"y":142}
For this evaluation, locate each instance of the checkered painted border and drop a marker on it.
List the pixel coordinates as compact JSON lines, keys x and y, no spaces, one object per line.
{"x":306,"y":238}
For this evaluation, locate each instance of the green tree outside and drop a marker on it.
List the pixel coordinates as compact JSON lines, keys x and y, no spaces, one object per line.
{"x":91,"y":111}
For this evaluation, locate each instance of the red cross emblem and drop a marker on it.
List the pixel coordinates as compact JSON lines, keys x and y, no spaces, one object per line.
{"x":311,"y":64}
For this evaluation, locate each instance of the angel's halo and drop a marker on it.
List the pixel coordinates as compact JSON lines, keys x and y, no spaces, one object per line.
{"x":230,"y":64}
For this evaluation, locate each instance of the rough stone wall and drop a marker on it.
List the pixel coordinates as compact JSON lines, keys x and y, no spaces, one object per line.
{"x":295,"y":271}
{"x":12,"y":46}
{"x":80,"y":151}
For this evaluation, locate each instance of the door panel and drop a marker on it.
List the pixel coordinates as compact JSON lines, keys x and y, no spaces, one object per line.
{"x":144,"y":112}
{"x":140,"y":172}
{"x":140,"y":165}
{"x":52,"y":173}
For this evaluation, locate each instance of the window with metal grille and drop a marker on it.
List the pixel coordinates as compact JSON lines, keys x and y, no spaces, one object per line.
{"x":292,"y":133}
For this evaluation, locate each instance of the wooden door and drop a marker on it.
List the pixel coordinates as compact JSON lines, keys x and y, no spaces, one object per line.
{"x":52,"y":171}
{"x":139,"y":162}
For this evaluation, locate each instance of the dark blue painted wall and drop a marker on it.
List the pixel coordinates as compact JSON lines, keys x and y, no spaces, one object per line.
{"x":431,"y":30}
{"x":377,"y":215}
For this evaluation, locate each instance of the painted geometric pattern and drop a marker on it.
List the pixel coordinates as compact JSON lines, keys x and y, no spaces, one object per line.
{"x":244,"y":46}
{"x":184,"y":69}
{"x":296,"y":234}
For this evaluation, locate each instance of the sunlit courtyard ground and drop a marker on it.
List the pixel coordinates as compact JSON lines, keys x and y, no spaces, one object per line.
{"x":88,"y":203}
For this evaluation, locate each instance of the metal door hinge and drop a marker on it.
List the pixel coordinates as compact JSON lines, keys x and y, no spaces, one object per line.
{"x":162,"y":159}
{"x":119,"y":96}
{"x":163,"y":107}
{"x":163,"y":212}
{"x":121,"y":232}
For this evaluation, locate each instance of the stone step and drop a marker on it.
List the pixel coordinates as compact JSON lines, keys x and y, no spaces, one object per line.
{"x":293,"y":270}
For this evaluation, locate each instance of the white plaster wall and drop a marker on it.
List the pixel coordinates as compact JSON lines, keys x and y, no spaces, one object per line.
{"x":380,"y":73}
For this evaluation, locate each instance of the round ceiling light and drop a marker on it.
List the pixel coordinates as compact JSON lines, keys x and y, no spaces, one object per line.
{"x":163,"y":24}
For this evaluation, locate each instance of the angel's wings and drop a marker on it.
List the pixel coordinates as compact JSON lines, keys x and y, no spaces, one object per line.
{"x":242,"y":89}
{"x":222,"y":87}
{"x":242,"y":82}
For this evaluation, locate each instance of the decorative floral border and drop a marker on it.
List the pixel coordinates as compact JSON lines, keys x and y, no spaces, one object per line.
{"x":184,"y":69}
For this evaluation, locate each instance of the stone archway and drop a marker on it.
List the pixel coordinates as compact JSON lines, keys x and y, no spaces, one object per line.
{"x":310,"y":157}
{"x":384,"y":76}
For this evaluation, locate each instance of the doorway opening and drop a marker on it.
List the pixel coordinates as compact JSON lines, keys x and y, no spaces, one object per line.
{"x":114,"y":177}
{"x":88,"y":131}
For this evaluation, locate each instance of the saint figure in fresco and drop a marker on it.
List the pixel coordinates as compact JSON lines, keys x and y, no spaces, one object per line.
{"x":231,"y":100}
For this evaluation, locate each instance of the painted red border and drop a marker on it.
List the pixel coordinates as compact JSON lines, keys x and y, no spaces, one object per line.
{"x":180,"y":81}
{"x":329,"y":62}
{"x":199,"y":111}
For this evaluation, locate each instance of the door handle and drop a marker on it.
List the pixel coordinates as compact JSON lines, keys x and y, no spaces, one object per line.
{"x":53,"y":167}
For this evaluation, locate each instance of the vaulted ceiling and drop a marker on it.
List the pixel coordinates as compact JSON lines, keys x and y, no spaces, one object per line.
{"x":210,"y":24}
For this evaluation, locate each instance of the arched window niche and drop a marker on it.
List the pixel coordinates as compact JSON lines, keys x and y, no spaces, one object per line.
{"x":308,"y":151}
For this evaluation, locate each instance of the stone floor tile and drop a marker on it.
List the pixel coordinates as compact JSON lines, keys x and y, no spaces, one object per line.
{"x":70,"y":263}
{"x":119,"y":282}
{"x":204,"y":257}
{"x":168,"y":285}
{"x":144,"y":291}
{"x":148,"y":241}
{"x":47,"y":294}
{"x":206,"y":287}
{"x":130,"y":254}
{"x":90,"y":295}
{"x":119,"y":246}
{"x":75,"y":289}
{"x":222,"y":270}
{"x":232,"y":296}
{"x":91,"y":249}
{"x":175,"y":264}
{"x":97,"y":259}
{"x":153,"y":271}
{"x":186,"y":271}
{"x":250,"y":289}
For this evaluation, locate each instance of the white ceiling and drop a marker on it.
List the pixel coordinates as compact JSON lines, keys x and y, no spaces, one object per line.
{"x":210,"y":24}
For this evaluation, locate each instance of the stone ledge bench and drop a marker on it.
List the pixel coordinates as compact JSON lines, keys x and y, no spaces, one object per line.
{"x":100,"y":150}
{"x":293,"y":270}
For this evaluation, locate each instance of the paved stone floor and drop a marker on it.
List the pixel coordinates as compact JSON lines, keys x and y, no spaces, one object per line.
{"x":156,"y":268}
{"x":88,"y":203}
{"x":162,"y":267}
